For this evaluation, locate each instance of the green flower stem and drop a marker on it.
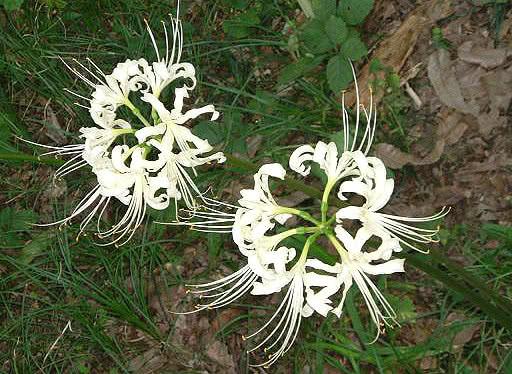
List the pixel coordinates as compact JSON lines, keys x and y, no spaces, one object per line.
{"x":137,"y":113}
{"x":341,"y":250}
{"x":23,"y":157}
{"x":303,"y":230}
{"x":300,"y":213}
{"x":479,"y":297}
{"x":324,"y":207}
{"x":305,"y":250}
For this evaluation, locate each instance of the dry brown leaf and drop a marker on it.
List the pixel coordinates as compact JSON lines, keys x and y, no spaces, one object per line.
{"x":449,"y":131}
{"x":147,"y":362}
{"x":396,"y":48}
{"x":445,"y":83}
{"x":464,"y":336}
{"x":488,"y":58}
{"x":218,"y":352}
{"x":253,"y":145}
{"x":54,"y":131}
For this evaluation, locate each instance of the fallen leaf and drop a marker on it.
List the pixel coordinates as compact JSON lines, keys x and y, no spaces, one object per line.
{"x":147,"y":362}
{"x":218,"y":352}
{"x":54,"y":130}
{"x":464,"y":336}
{"x":395,"y":49}
{"x":488,"y":58}
{"x":445,"y":83}
{"x":449,"y":131}
{"x":253,"y":145}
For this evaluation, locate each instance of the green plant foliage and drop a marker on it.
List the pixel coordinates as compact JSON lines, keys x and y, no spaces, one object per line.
{"x":330,"y":36}
{"x":336,"y":30}
{"x":354,"y":48}
{"x":236,"y":4}
{"x":11,"y":5}
{"x":315,"y":37}
{"x":295,"y":70}
{"x":12,"y":223}
{"x":323,"y":9}
{"x":403,"y":306}
{"x":355,"y":11}
{"x":240,"y":26}
{"x":339,"y":72}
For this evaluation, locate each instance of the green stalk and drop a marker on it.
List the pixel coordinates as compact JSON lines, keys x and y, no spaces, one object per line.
{"x":23,"y":157}
{"x":137,"y":113}
{"x":476,"y":296}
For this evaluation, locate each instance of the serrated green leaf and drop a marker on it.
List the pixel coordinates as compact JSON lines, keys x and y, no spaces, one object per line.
{"x":336,"y":29}
{"x":240,"y":26}
{"x":315,"y":37}
{"x":355,"y":11}
{"x":323,"y":9}
{"x":11,"y":5}
{"x":339,"y":73}
{"x":354,"y":48}
{"x":298,"y":69}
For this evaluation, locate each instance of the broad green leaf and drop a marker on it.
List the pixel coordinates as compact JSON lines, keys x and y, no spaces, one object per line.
{"x":336,"y":29}
{"x":11,"y":4}
{"x":12,"y":220}
{"x":354,"y":48}
{"x":403,"y":306}
{"x":354,"y":11}
{"x":315,"y":37}
{"x":37,"y":246}
{"x":240,"y":26}
{"x":323,"y":9}
{"x":339,"y":73}
{"x":212,"y":131}
{"x":298,"y":69}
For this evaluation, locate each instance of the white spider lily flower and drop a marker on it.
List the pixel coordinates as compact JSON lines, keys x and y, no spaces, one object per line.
{"x":326,"y":156}
{"x":143,"y":194}
{"x":179,"y":149}
{"x":258,"y":202}
{"x":111,"y":91}
{"x":176,"y":117}
{"x":356,"y":267}
{"x":249,"y":220}
{"x":258,"y":211}
{"x":377,"y":190}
